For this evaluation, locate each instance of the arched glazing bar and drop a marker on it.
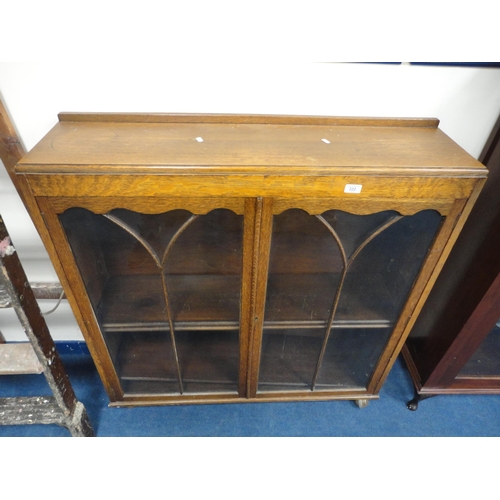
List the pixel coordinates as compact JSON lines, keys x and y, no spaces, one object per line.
{"x":346,"y":263}
{"x":160,"y":264}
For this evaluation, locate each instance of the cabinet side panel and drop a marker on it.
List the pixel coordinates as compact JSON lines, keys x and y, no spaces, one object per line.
{"x":467,"y":275}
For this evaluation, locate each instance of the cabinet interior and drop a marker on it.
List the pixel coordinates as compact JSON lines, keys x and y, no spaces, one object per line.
{"x":485,"y":361}
{"x":166,"y":291}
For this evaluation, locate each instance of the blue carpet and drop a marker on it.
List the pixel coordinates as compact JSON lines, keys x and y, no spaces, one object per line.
{"x":443,"y":416}
{"x":342,"y":450}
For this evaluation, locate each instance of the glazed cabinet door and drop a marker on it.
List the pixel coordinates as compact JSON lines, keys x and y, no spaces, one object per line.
{"x":336,"y":285}
{"x":219,"y":299}
{"x":165,"y":283}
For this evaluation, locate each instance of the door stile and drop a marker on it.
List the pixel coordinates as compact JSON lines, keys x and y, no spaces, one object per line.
{"x":260,"y":265}
{"x":246,"y":303}
{"x":80,"y":303}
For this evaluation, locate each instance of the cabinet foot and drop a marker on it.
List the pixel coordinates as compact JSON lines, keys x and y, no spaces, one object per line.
{"x":361,"y":403}
{"x":413,"y":404}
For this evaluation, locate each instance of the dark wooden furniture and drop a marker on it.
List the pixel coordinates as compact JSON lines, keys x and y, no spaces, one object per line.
{"x":11,"y":151}
{"x":454,"y":347}
{"x":219,"y":258}
{"x":39,"y":355}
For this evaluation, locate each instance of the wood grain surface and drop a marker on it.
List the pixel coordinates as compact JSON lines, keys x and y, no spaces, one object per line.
{"x":112,"y":146}
{"x":257,"y":167}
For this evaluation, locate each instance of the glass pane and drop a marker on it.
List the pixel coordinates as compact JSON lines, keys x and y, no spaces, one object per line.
{"x":337,"y":283}
{"x":350,"y":357}
{"x":485,"y":362}
{"x":166,"y":292}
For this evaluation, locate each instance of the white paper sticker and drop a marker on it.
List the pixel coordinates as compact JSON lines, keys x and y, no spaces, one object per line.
{"x":199,"y":139}
{"x":353,"y":188}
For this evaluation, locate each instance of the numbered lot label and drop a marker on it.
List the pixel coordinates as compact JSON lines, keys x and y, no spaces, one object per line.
{"x":353,"y":188}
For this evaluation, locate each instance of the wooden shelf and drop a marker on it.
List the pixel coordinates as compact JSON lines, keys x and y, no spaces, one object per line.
{"x":306,"y":300}
{"x":210,"y":302}
{"x":19,"y":359}
{"x":33,"y":410}
{"x":207,"y":363}
{"x":145,"y":361}
{"x":288,"y":361}
{"x":133,"y":303}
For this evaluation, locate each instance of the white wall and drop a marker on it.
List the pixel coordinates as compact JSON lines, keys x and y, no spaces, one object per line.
{"x":466,"y":100}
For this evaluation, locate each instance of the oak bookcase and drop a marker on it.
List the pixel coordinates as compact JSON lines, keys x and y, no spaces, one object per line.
{"x":233,"y":258}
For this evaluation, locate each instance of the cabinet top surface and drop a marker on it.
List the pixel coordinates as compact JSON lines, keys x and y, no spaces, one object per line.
{"x":133,"y":143}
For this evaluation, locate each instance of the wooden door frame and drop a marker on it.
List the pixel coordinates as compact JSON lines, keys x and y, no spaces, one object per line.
{"x":83,"y":309}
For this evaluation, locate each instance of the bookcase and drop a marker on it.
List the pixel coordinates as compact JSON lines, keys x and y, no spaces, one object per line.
{"x":454,"y":347}
{"x":243,"y":258}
